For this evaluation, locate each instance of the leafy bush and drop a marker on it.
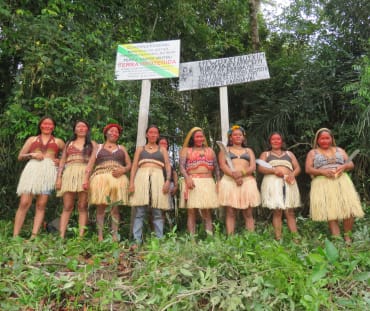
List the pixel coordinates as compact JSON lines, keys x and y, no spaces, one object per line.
{"x":247,"y":271}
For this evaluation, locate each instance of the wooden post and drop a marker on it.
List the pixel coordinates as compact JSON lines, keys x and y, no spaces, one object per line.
{"x":142,"y":125}
{"x":224,"y":110}
{"x":143,"y":113}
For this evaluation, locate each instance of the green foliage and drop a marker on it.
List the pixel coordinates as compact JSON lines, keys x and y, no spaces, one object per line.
{"x":57,"y":58}
{"x":242,"y":272}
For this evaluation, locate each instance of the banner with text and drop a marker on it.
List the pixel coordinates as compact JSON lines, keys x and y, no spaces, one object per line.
{"x":223,"y":71}
{"x":153,"y":60}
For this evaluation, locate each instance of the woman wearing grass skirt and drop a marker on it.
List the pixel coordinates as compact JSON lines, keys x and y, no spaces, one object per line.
{"x":39,"y":175}
{"x":149,"y":188}
{"x":279,"y":189}
{"x":198,"y":165}
{"x":238,"y":188}
{"x":333,"y":196}
{"x":109,"y":183}
{"x":73,"y":176}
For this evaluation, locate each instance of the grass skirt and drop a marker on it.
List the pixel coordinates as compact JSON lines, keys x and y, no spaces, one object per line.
{"x":106,"y":189}
{"x":202,"y":196}
{"x":278,"y":194}
{"x":37,"y":177}
{"x":240,"y":197}
{"x":149,"y":183}
{"x":334,"y":199}
{"x":72,"y":179}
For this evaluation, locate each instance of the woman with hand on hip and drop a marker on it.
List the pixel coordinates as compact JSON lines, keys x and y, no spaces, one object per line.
{"x":279,"y":189}
{"x":333,"y":196}
{"x":39,"y":175}
{"x":198,"y":165}
{"x":109,"y":183}
{"x":238,"y":188}
{"x":73,"y":175}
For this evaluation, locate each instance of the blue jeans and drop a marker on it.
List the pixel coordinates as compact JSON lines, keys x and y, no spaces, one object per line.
{"x":158,"y":222}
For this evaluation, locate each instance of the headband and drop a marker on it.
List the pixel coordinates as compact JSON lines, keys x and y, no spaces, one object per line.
{"x":190,"y":134}
{"x":109,"y":126}
{"x":236,"y":127}
{"x":324,"y":129}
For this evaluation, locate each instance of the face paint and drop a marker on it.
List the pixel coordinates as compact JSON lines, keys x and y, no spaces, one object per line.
{"x":152,"y":135}
{"x":324,"y":140}
{"x":198,"y":139}
{"x":276,"y":141}
{"x":47,"y":126}
{"x":237,"y":137}
{"x":113,"y":133}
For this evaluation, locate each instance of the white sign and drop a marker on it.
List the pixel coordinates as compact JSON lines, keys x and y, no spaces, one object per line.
{"x":153,"y":60}
{"x":223,"y":71}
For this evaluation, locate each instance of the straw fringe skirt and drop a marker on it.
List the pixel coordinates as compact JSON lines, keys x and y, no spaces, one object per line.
{"x":37,"y":177}
{"x":72,"y":179}
{"x":106,"y":189}
{"x":202,"y":196}
{"x":278,"y":194}
{"x":239,"y":197}
{"x":334,"y":199}
{"x":149,"y":183}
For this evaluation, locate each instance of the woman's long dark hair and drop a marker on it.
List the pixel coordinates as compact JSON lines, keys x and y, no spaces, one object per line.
{"x":87,"y":145}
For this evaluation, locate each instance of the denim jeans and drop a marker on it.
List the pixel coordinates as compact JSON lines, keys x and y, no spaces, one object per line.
{"x":158,"y":222}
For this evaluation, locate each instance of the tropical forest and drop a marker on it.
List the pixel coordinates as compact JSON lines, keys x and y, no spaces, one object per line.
{"x":57,"y":59}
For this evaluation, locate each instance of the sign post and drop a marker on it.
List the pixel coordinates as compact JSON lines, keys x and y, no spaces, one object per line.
{"x":220,"y":73}
{"x":147,"y":61}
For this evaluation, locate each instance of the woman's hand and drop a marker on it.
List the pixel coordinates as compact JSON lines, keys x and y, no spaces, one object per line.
{"x":58,"y":183}
{"x":166,"y":187}
{"x":329,"y":173}
{"x":290,"y":178}
{"x":85,"y":184}
{"x":118,"y":172}
{"x":39,"y":157}
{"x":278,"y":172}
{"x":340,"y":170}
{"x":189,"y":182}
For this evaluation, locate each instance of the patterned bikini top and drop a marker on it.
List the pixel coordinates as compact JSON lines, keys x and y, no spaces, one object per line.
{"x":50,"y":147}
{"x":76,"y":155}
{"x":321,"y":161}
{"x":154,"y":157}
{"x":116,"y":155}
{"x":284,"y":160}
{"x":196,"y":158}
{"x":244,"y":156}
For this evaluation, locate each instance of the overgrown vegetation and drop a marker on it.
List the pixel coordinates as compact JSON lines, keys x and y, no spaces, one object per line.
{"x":57,"y":57}
{"x":243,"y":272}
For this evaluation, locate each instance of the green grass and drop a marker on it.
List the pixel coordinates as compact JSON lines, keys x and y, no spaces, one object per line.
{"x":243,"y":272}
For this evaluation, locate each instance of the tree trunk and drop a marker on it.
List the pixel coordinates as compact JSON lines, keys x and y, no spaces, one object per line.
{"x":254,"y":6}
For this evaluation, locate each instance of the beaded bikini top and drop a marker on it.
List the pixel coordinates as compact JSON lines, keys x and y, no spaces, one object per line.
{"x":196,"y":158}
{"x":321,"y":161}
{"x":116,"y":155}
{"x":50,"y":147}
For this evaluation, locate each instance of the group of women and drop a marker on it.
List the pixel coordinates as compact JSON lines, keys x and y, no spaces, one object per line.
{"x":103,"y":175}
